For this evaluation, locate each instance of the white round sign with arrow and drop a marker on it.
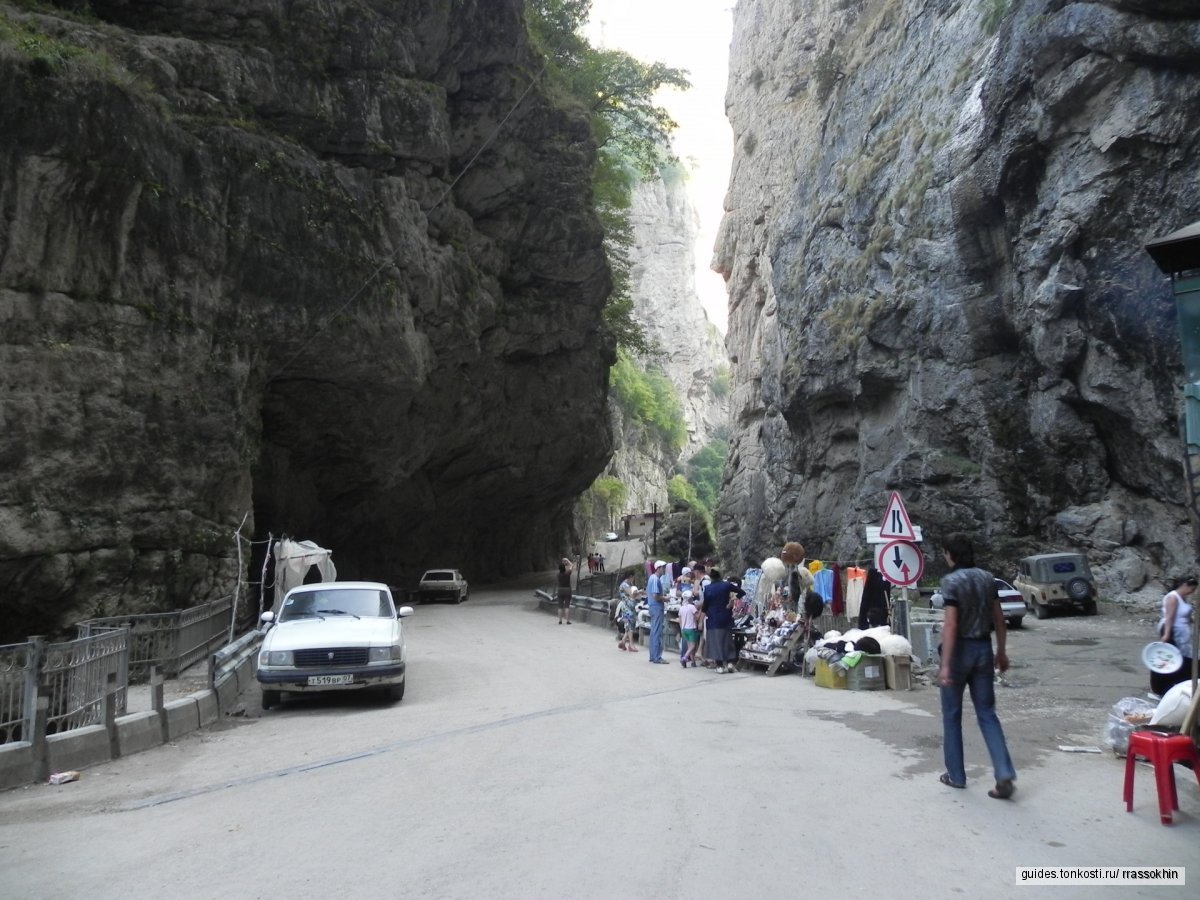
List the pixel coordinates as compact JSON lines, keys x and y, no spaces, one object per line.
{"x":900,"y":562}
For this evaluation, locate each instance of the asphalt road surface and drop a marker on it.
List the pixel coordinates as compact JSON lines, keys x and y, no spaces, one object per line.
{"x":533,"y":760}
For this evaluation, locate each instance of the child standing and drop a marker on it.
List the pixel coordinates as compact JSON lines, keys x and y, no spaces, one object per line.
{"x":690,"y":634}
{"x":626,"y":614}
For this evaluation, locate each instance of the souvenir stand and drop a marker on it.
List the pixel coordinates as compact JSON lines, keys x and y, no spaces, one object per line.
{"x":777,"y":631}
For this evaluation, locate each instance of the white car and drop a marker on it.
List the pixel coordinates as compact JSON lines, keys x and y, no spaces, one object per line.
{"x":1012,"y":604}
{"x":333,"y":636}
{"x":443,"y":584}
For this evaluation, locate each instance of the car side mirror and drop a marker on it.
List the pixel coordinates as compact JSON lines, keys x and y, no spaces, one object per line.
{"x":267,"y":618}
{"x":405,"y":611}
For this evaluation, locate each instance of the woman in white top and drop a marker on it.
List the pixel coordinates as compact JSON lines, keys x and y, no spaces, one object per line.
{"x":1176,"y":628}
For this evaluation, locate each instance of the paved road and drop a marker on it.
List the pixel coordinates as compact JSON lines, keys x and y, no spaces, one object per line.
{"x":534,"y":760}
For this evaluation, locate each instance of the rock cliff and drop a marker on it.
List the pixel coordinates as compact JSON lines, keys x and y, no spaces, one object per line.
{"x":934,"y":250}
{"x":687,"y":346}
{"x":328,"y":265}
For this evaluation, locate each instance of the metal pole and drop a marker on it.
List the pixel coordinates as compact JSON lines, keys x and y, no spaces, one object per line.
{"x":237,"y":584}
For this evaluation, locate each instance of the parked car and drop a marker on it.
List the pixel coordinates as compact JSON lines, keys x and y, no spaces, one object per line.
{"x":333,"y":636}
{"x":1056,"y":581}
{"x":443,"y":584}
{"x":611,"y":536}
{"x":1011,"y":603}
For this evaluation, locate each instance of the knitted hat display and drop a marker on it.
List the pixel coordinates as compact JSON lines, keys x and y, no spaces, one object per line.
{"x":793,"y":553}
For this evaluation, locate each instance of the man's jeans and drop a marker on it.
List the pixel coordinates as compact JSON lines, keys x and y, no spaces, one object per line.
{"x":657,"y":616}
{"x":972,"y":667}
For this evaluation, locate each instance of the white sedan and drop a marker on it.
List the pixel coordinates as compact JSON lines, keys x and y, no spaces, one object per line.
{"x":339,"y":635}
{"x":1012,"y":604}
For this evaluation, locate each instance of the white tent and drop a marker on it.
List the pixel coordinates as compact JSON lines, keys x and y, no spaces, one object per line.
{"x":293,"y":559}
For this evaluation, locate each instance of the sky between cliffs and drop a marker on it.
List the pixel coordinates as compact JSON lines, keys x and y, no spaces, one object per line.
{"x":692,"y":35}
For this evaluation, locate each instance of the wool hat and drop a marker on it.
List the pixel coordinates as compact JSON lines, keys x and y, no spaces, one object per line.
{"x":660,"y":564}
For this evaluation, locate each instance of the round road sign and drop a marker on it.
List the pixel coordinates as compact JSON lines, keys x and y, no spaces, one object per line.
{"x":900,"y":562}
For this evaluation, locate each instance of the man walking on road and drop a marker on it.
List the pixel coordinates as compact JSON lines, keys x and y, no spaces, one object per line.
{"x":656,"y":591}
{"x":972,"y":613}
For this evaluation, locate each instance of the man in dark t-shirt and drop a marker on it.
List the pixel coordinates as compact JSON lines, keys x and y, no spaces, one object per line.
{"x":972,"y":614}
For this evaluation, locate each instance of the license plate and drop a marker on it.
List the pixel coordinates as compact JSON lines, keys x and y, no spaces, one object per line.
{"x":319,"y":680}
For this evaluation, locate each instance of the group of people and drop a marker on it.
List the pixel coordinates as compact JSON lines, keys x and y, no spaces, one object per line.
{"x":705,"y":615}
{"x":595,"y":562}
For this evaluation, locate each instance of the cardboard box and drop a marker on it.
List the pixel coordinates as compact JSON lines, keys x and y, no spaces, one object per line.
{"x":867,"y":675}
{"x":898,"y":670}
{"x":829,"y":678}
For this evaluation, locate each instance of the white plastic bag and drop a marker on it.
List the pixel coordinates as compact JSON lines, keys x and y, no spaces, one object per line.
{"x":1126,"y":714}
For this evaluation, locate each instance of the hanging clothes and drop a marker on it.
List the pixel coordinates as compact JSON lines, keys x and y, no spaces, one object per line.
{"x":837,"y":604}
{"x":816,"y":566}
{"x":856,"y":581}
{"x":823,"y":584}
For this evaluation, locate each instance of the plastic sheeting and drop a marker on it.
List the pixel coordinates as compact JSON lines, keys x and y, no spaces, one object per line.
{"x":293,"y":559}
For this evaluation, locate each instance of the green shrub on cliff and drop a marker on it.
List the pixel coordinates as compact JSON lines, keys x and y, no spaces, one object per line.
{"x":649,"y":398}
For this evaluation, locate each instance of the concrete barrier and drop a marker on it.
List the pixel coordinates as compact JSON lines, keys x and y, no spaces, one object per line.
{"x":227,"y":695}
{"x":206,"y":703}
{"x":180,"y":717}
{"x":16,"y":764}
{"x":78,"y":748}
{"x":138,"y":731}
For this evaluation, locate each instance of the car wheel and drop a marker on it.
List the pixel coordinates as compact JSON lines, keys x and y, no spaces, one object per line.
{"x":270,"y":698}
{"x":1040,"y":610}
{"x":394,"y":692}
{"x":1078,"y":589}
{"x":460,"y":598}
{"x":1016,"y":622}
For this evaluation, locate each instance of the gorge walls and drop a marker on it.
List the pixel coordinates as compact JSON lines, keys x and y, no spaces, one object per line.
{"x":326,"y":269}
{"x":934,"y":250}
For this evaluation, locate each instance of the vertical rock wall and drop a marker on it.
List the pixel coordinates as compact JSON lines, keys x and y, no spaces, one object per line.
{"x":934,"y":249}
{"x":325,"y":266}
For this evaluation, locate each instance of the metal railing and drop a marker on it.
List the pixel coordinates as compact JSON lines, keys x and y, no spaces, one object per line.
{"x":74,"y":677}
{"x":172,"y":641}
{"x":108,"y":654}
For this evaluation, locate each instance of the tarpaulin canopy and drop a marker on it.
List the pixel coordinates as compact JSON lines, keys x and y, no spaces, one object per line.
{"x":293,"y":559}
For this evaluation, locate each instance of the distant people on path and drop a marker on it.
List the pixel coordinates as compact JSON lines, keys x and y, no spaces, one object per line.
{"x":657,"y":586}
{"x":718,"y":621}
{"x":1175,"y":627}
{"x":565,"y":566}
{"x":972,"y":613}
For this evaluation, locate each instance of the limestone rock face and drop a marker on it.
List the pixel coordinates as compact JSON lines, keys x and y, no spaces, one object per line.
{"x":687,"y":346}
{"x":251,"y":268}
{"x":934,"y":249}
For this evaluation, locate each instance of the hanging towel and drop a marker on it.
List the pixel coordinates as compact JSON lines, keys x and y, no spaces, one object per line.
{"x":823,"y":584}
{"x":856,"y":580}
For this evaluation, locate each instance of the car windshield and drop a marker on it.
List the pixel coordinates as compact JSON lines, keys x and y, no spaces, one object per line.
{"x":357,"y":602}
{"x":1003,"y":585}
{"x":438,"y":576}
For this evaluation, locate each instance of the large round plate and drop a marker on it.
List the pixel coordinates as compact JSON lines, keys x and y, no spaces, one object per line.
{"x":1162,"y":658}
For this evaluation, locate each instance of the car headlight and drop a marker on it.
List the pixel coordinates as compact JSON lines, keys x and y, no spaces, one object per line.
{"x":384,"y":654}
{"x":275,"y":658}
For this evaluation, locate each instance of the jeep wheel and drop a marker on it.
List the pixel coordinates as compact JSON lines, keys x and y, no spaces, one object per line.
{"x":1078,"y":589}
{"x":1040,"y":610}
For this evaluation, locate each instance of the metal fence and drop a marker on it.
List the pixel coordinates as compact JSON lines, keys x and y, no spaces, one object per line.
{"x":602,"y":586}
{"x":108,"y":654}
{"x":172,"y":641}
{"x":75,"y":676}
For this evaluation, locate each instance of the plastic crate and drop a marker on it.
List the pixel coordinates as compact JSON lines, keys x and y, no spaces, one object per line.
{"x":827,"y":677}
{"x":868,"y":675}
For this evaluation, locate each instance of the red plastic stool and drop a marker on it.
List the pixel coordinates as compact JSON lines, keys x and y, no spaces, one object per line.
{"x":1162,"y":750}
